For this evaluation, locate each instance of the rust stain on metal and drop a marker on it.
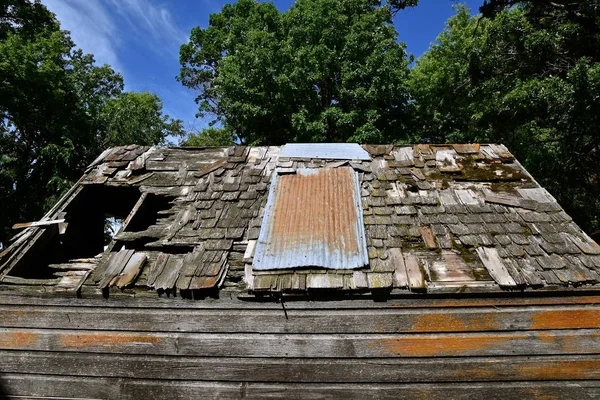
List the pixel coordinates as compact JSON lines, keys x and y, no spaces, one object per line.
{"x":430,"y":346}
{"x":18,"y":340}
{"x":107,"y":339}
{"x":561,"y":319}
{"x":320,"y":195}
{"x":314,"y":219}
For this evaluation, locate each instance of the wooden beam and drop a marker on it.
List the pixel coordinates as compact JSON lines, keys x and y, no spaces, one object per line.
{"x":318,"y":321}
{"x":49,"y":386}
{"x":302,"y":370}
{"x":22,"y":225}
{"x":409,"y":302}
{"x":372,"y":345}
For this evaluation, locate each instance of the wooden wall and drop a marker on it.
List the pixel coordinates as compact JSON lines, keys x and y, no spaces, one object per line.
{"x":415,"y":348}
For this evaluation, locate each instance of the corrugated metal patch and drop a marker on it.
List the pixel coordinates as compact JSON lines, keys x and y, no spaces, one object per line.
{"x":334,"y":151}
{"x":313,"y":219}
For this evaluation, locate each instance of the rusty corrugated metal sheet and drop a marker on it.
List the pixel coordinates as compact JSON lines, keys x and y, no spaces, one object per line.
{"x":313,"y":219}
{"x":333,"y":151}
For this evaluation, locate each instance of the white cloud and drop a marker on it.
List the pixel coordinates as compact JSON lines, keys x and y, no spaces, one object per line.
{"x":152,"y":21}
{"x":92,"y":28}
{"x":100,"y":27}
{"x":113,"y":29}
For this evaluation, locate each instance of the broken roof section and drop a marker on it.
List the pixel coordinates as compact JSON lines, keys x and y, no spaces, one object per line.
{"x":313,"y":218}
{"x":437,"y":218}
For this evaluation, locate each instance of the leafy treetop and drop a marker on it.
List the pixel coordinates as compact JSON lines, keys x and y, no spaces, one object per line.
{"x":321,"y":72}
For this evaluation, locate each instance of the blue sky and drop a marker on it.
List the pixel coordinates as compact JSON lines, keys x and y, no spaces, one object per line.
{"x":141,"y":38}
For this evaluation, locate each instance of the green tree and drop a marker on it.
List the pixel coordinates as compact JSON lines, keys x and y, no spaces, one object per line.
{"x":320,"y":72}
{"x":137,"y":117}
{"x":528,"y":78}
{"x":209,"y":137}
{"x":445,"y":98}
{"x":58,"y":111}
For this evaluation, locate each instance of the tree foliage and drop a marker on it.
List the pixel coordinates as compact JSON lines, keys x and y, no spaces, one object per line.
{"x":137,"y":117}
{"x":320,"y":72}
{"x":58,"y":111}
{"x":209,"y":137}
{"x":525,"y":73}
{"x":529,"y":78}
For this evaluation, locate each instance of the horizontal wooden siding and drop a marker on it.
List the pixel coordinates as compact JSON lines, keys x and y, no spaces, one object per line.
{"x":470,"y":348}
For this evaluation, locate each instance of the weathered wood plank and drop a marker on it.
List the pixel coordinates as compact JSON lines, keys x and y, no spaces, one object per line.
{"x":107,"y":269}
{"x":466,"y":148}
{"x":191,"y":266}
{"x":15,"y":280}
{"x":133,"y":212}
{"x":492,"y":261}
{"x":74,"y":266}
{"x":47,"y":386}
{"x":168,"y":277}
{"x":352,"y":370}
{"x":115,"y":264}
{"x":131,"y":271}
{"x":400,"y":277}
{"x":156,"y":268}
{"x":413,"y":270}
{"x":302,"y":321}
{"x":226,"y":303}
{"x":512,"y":202}
{"x":22,"y":225}
{"x":451,"y":268}
{"x":502,"y":151}
{"x":467,"y":196}
{"x":554,"y":342}
{"x":428,"y":237}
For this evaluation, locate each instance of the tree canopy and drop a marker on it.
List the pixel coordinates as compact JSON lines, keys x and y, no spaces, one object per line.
{"x":525,"y":73}
{"x":58,"y":111}
{"x":137,"y":117}
{"x":322,"y":71}
{"x":209,"y":137}
{"x":529,"y":78}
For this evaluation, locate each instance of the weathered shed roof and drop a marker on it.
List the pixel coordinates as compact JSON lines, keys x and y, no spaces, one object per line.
{"x":436,"y":218}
